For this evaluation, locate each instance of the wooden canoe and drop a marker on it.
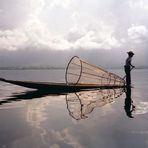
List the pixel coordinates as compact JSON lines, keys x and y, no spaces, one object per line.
{"x":59,"y":87}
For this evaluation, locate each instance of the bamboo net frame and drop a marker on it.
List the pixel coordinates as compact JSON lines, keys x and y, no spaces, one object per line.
{"x":79,"y":72}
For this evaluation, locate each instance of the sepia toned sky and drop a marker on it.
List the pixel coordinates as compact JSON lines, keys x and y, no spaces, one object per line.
{"x":85,"y":27}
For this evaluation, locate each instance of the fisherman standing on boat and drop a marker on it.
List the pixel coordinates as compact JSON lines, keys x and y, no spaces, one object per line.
{"x":128,"y":66}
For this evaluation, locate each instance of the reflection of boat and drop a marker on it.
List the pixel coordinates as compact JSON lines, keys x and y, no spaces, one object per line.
{"x":27,"y":95}
{"x":79,"y":75}
{"x":81,"y":104}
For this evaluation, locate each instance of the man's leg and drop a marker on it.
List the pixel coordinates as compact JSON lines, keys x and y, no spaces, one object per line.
{"x":128,"y":77}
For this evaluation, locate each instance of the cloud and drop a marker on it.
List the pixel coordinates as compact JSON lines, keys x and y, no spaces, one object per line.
{"x":63,"y":3}
{"x":12,"y":39}
{"x":1,"y":10}
{"x":14,"y":13}
{"x":72,"y":25}
{"x":36,"y":34}
{"x":36,"y":31}
{"x":138,"y":4}
{"x":138,"y":33}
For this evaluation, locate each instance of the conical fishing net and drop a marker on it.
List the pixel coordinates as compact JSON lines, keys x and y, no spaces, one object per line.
{"x":79,"y":72}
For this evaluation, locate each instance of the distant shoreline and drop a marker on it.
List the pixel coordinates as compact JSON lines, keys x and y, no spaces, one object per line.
{"x":54,"y":68}
{"x":32,"y":68}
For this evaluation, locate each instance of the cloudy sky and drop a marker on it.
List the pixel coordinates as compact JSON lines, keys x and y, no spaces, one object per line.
{"x":42,"y":31}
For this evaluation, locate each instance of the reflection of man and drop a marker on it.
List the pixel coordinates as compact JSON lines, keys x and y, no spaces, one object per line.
{"x":129,"y":107}
{"x":128,"y":67}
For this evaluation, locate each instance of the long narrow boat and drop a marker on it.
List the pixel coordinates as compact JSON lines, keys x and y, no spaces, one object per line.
{"x":79,"y":75}
{"x":58,"y":87}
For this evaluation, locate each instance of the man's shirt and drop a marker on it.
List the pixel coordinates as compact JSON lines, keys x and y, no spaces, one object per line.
{"x":128,"y":61}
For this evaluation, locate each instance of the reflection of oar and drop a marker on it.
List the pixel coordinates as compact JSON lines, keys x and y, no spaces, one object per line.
{"x":125,"y":75}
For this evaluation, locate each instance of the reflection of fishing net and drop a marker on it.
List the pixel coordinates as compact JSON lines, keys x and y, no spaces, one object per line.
{"x":81,"y":72}
{"x":81,"y":104}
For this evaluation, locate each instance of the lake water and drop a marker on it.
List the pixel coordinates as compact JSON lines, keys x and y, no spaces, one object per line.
{"x":91,"y":119}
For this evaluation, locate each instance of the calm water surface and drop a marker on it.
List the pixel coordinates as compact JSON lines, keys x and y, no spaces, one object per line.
{"x":90,"y":119}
